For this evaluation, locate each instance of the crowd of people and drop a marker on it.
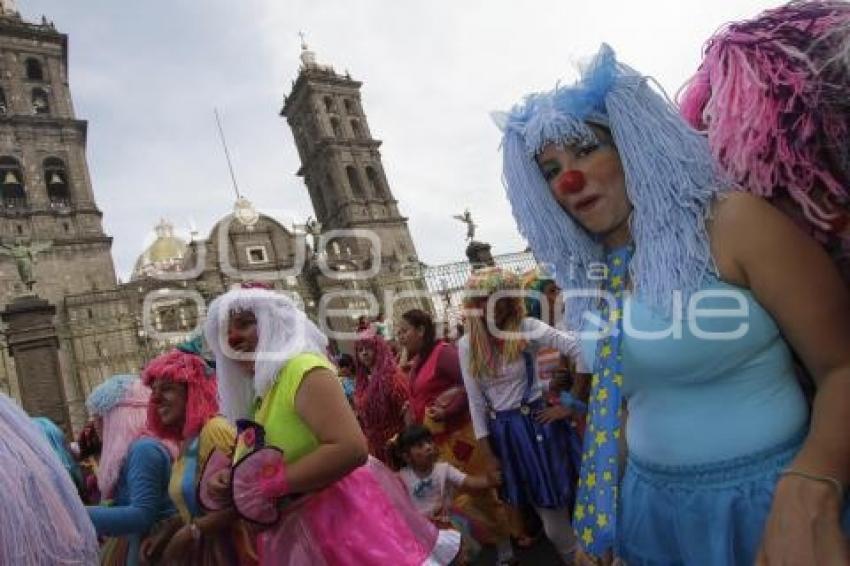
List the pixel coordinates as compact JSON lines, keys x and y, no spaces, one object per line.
{"x":683,"y":401}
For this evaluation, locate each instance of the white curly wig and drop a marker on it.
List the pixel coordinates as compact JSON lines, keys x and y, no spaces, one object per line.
{"x":283,"y":331}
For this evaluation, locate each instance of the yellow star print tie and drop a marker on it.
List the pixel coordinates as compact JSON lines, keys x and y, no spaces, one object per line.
{"x":595,"y":516}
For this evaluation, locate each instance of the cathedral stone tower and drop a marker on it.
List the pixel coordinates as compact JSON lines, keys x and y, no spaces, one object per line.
{"x":341,"y":166}
{"x":45,"y":190}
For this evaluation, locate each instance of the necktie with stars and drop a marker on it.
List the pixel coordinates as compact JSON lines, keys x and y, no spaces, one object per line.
{"x":595,"y":515}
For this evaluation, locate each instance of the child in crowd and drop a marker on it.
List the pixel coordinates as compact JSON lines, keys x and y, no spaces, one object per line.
{"x":432,"y":485}
{"x":345,"y":371}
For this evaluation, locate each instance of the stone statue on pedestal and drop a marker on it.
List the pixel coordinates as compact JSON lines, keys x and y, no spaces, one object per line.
{"x":466,"y":218}
{"x":24,"y":257}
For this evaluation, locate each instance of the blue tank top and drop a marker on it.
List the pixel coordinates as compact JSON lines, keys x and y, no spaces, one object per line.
{"x":694,"y":399}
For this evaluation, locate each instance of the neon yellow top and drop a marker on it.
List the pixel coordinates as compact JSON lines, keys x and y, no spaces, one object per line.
{"x":276,"y":413}
{"x":217,"y":433}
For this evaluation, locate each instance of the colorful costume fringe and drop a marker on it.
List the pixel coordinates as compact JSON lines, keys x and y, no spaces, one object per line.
{"x":42,"y":520}
{"x":772,"y":96}
{"x":380,"y":396}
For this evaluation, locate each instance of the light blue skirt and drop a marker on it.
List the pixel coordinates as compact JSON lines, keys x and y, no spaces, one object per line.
{"x":711,"y":514}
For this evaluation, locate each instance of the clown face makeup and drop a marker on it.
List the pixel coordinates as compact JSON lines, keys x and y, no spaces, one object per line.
{"x":587,"y":180}
{"x":242,"y":336}
{"x":169,"y":401}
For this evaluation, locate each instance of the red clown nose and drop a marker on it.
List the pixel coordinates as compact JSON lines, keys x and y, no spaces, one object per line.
{"x":571,"y":181}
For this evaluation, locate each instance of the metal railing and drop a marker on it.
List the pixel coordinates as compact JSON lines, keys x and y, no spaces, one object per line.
{"x":445,"y":282}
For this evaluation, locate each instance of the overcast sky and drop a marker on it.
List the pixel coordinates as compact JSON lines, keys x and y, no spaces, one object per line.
{"x":147,"y":74}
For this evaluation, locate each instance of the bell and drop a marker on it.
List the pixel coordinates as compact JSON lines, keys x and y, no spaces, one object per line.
{"x":11,"y":178}
{"x":55,"y":179}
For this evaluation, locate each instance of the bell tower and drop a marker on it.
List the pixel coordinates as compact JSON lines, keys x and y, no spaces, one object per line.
{"x":46,"y":194}
{"x":340,"y":161}
{"x":342,"y":169}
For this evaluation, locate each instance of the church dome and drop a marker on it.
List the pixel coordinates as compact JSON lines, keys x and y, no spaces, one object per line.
{"x":164,"y":255}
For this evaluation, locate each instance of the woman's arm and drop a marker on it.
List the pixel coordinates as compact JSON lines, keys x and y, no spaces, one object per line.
{"x":757,"y":247}
{"x":148,"y":468}
{"x":322,"y":406}
{"x":791,"y":276}
{"x":448,"y":368}
{"x":541,"y":334}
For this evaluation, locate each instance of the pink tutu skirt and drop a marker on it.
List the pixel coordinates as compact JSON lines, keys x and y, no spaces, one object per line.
{"x":366,"y":518}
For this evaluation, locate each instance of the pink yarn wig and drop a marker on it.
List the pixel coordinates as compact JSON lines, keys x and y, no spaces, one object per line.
{"x":775,"y":111}
{"x":122,"y":403}
{"x":379,"y":394}
{"x":201,"y":392}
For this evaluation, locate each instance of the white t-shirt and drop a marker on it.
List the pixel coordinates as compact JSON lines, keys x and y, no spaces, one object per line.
{"x":433,"y":493}
{"x":505,"y":390}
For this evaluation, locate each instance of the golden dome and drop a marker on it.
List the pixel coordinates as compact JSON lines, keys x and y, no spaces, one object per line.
{"x":164,"y":255}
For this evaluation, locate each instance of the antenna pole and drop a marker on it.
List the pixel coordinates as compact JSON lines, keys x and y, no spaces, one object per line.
{"x":226,"y":153}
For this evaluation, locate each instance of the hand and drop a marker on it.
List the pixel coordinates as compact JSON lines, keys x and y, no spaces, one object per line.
{"x":584,"y":559}
{"x":803,"y":526}
{"x":179,"y":545}
{"x":553,"y":413}
{"x":152,"y":547}
{"x":219,"y":485}
{"x":435,"y":413}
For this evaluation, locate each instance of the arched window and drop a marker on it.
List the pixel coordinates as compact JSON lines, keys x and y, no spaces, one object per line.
{"x":40,"y":105}
{"x":329,"y":104}
{"x":356,"y":129}
{"x":349,"y":106}
{"x":56,"y":177}
{"x":12,"y":183}
{"x":354,"y":181}
{"x":335,"y":127}
{"x":375,"y":182}
{"x":34,"y":71}
{"x":3,"y":108}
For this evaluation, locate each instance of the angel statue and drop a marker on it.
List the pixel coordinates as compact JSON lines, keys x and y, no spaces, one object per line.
{"x":24,"y":257}
{"x":466,"y":218}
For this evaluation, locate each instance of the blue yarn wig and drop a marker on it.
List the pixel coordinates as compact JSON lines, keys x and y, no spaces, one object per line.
{"x":109,"y":393}
{"x":56,"y":438}
{"x":670,"y":179}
